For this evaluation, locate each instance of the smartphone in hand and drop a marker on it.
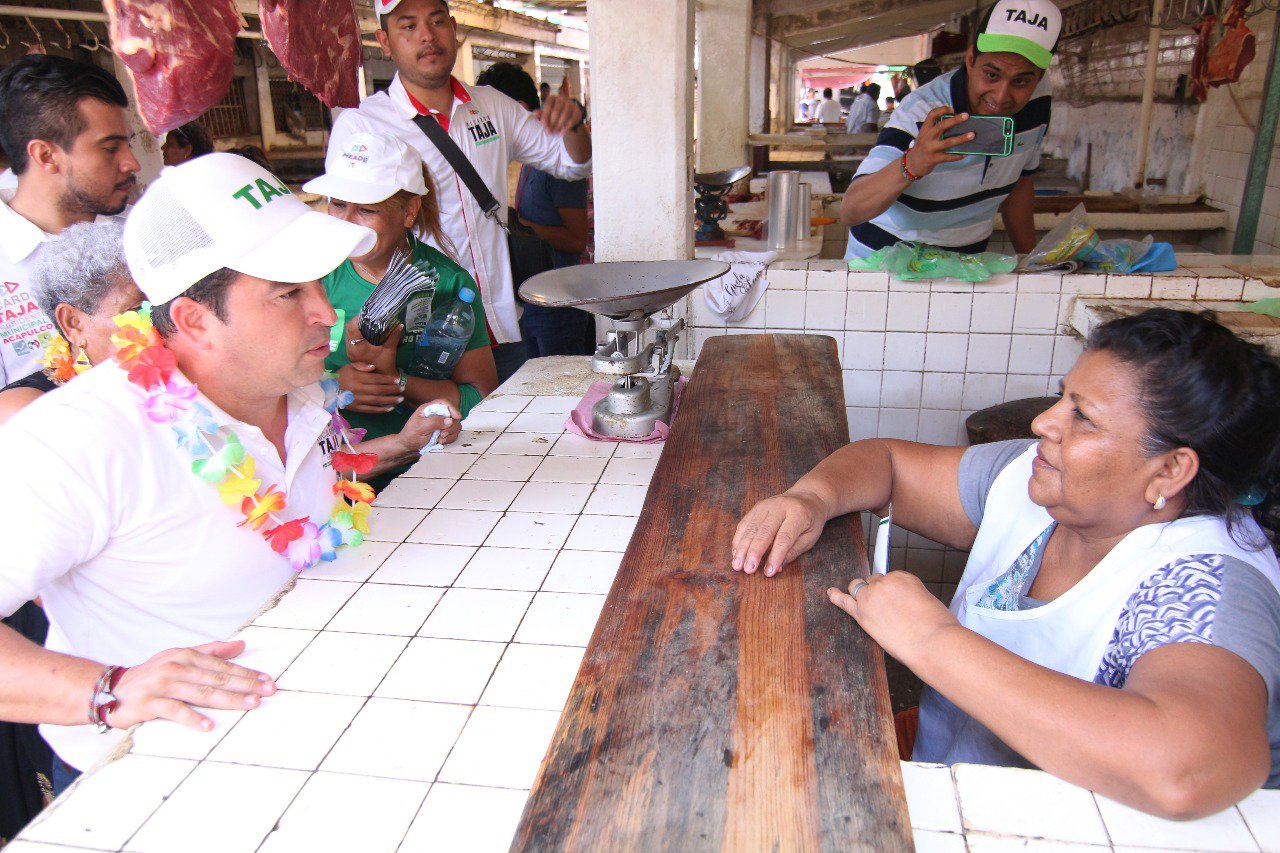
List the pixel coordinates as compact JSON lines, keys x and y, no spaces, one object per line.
{"x":992,"y":136}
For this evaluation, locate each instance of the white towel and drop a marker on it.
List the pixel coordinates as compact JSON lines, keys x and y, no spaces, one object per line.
{"x":732,"y":296}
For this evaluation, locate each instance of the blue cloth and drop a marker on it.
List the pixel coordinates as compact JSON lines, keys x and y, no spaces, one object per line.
{"x":63,"y":775}
{"x":539,"y":197}
{"x":1159,"y":258}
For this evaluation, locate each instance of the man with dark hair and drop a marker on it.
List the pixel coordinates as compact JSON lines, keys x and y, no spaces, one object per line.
{"x":544,"y":91}
{"x":186,"y":143}
{"x":864,"y":113}
{"x":828,"y":109}
{"x":899,"y":192}
{"x":490,"y":129}
{"x":64,"y":130}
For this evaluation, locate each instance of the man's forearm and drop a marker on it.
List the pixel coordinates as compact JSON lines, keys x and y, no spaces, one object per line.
{"x":419,"y":390}
{"x":40,"y":686}
{"x":871,"y":195}
{"x":1018,"y":213}
{"x":578,"y":144}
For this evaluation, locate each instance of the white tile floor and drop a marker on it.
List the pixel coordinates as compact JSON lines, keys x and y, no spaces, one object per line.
{"x":422,"y":676}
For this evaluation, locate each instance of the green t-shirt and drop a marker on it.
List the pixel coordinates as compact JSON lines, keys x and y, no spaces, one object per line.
{"x":348,"y":291}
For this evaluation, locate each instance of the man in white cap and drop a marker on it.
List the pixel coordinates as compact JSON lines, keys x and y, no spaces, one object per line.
{"x":910,"y":188}
{"x":114,"y":512}
{"x":421,"y":38}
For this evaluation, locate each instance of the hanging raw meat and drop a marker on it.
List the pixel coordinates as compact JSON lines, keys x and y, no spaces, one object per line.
{"x":179,"y":53}
{"x":1234,"y":50}
{"x":1199,"y":87}
{"x":318,"y":43}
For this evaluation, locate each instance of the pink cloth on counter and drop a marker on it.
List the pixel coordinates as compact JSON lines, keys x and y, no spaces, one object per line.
{"x":579,"y":421}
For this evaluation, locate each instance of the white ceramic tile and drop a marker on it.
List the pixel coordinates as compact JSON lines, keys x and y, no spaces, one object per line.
{"x":989,"y":353}
{"x":908,"y":312}
{"x":941,"y":391}
{"x":310,"y":604}
{"x":487,"y":495}
{"x":376,"y":745}
{"x":1085,"y":284}
{"x":1007,"y":801}
{"x":862,"y":387}
{"x":271,"y":650}
{"x":567,"y":498}
{"x":937,"y":842}
{"x":340,"y":812}
{"x":931,"y":797}
{"x":537,"y":677}
{"x":616,"y":500}
{"x":471,"y":441}
{"x":868,"y":281}
{"x":531,"y":530}
{"x":538,"y":422}
{"x":602,"y":533}
{"x":477,"y":614}
{"x":166,"y":739}
{"x":1066,"y":351}
{"x":413,"y":493}
{"x":424,"y":565}
{"x":949,"y":312}
{"x":836,"y":278}
{"x":560,"y":619}
{"x":945,"y":353}
{"x":249,"y":802}
{"x":96,"y":817}
{"x":1128,"y":286}
{"x":904,"y":351}
{"x":629,"y":472}
{"x":981,"y":842}
{"x":341,"y":663}
{"x":1217,"y":288}
{"x":380,"y":608}
{"x":500,"y":402}
{"x":466,"y":817}
{"x":901,"y":389}
{"x":554,"y":404}
{"x":863,"y":422}
{"x":1035,"y":312}
{"x":1261,"y":811}
{"x":992,"y":312}
{"x":576,"y":445}
{"x":899,"y":423}
{"x":863,"y":350}
{"x":866,"y":311}
{"x":500,"y":747}
{"x":1225,"y":830}
{"x":1173,"y":287}
{"x":784,"y":309}
{"x":454,"y":527}
{"x":569,"y":469}
{"x":938,"y":426}
{"x":824,"y":310}
{"x":638,"y":450}
{"x":446,"y":465}
{"x":515,"y":469}
{"x":583,"y":571}
{"x":1030,"y":353}
{"x":392,"y":524}
{"x":781,"y":278}
{"x":524,"y":443}
{"x":353,"y":564}
{"x":21,"y":845}
{"x":488,"y":420}
{"x":437,"y":670}
{"x":292,"y":730}
{"x":1020,"y":387}
{"x":507,"y":568}
{"x":1040,"y":282}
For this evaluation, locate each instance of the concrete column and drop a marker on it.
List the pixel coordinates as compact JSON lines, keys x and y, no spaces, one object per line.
{"x":266,"y":110}
{"x":465,"y":68}
{"x":642,"y":127}
{"x":724,"y":37}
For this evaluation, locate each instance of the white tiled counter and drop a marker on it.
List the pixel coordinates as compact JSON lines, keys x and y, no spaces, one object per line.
{"x":422,"y":675}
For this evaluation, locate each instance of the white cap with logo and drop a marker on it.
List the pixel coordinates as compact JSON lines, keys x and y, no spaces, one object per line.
{"x":222,"y":210}
{"x":1029,"y":28}
{"x":366,"y":168}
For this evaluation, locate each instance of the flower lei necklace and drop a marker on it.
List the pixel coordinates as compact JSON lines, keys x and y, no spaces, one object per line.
{"x":219,"y":459}
{"x":59,"y":366}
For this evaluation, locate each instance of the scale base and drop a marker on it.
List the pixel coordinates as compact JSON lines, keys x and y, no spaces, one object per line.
{"x":635,"y":405}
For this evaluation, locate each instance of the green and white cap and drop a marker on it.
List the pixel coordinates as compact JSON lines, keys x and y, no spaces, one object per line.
{"x":223,"y":210}
{"x":1029,"y":28}
{"x":366,"y":168}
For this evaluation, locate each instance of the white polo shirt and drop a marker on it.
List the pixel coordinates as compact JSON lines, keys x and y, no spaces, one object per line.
{"x":492,"y":130}
{"x":130,"y":552}
{"x":25,"y":330}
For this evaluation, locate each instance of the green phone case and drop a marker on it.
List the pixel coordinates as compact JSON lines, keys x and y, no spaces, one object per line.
{"x":1006,"y":133}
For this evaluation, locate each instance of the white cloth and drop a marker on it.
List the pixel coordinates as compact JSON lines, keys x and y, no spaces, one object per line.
{"x":8,"y":180}
{"x":130,"y":552}
{"x":25,"y":330}
{"x":828,"y":111}
{"x":1087,"y":613}
{"x":732,"y":296}
{"x":862,"y":111}
{"x":492,"y":130}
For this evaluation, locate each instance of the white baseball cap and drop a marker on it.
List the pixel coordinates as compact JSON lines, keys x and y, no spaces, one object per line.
{"x":369,"y":167}
{"x":222,"y":210}
{"x":385,"y":7}
{"x":1029,"y":28}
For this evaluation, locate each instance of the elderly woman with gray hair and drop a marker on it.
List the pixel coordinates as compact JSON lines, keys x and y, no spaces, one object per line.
{"x":81,"y":281}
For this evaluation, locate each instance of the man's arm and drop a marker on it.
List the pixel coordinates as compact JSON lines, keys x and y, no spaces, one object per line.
{"x":547,"y":140}
{"x":1018,"y":213}
{"x":569,"y":237}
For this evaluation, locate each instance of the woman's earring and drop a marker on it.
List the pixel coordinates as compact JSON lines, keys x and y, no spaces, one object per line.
{"x":1159,"y":504}
{"x":82,"y":362}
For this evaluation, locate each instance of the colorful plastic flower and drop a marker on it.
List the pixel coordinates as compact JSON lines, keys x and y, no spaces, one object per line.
{"x":258,"y":508}
{"x":240,"y":483}
{"x":351,"y":523}
{"x":212,"y":469}
{"x":128,"y":343}
{"x":330,"y":539}
{"x":168,"y":402}
{"x":358,"y":464}
{"x":58,"y":361}
{"x":334,"y":397}
{"x":304,"y":551}
{"x":153,"y":367}
{"x":354,"y":490}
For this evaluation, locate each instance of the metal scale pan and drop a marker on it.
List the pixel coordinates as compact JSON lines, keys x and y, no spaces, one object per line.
{"x":620,"y":290}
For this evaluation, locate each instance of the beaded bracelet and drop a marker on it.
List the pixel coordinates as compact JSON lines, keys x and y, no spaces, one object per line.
{"x":906,"y":173}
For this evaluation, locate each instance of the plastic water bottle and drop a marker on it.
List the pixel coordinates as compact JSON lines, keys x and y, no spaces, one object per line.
{"x":445,"y":338}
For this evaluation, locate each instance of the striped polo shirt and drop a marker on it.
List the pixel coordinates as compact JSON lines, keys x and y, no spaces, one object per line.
{"x":954,"y":206}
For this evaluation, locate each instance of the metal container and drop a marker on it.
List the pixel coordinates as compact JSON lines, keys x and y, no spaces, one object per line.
{"x":782,"y":195}
{"x":804,"y":212}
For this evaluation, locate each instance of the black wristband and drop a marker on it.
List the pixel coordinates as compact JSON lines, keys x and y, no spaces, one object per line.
{"x":582,"y":121}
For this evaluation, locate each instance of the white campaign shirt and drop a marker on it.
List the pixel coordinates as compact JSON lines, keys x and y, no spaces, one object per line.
{"x":492,"y":130}
{"x":130,"y":552}
{"x":828,"y":111}
{"x":25,"y":330}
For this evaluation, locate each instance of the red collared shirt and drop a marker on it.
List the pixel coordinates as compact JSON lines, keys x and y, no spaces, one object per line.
{"x":460,"y":94}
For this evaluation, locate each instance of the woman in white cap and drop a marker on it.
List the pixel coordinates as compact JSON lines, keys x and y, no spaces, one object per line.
{"x":376,"y":180}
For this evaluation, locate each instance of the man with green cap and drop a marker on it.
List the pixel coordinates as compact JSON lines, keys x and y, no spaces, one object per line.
{"x":910,"y":188}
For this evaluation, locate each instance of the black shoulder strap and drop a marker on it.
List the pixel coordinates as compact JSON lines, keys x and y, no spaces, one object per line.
{"x":467,"y":172}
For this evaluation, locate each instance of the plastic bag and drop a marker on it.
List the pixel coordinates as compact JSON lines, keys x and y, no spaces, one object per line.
{"x":918,"y":261}
{"x":1073,"y":242}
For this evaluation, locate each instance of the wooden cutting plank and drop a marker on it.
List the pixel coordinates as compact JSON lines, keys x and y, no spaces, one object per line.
{"x":716,"y":711}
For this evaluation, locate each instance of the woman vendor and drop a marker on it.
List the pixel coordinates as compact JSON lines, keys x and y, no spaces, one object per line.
{"x":1118,"y":621}
{"x":376,"y":180}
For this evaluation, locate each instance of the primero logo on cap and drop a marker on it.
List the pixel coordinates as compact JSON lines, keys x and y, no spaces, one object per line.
{"x":1019,"y":16}
{"x":266,"y":191}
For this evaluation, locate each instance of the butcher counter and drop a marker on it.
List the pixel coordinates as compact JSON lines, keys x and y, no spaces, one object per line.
{"x":423,"y":676}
